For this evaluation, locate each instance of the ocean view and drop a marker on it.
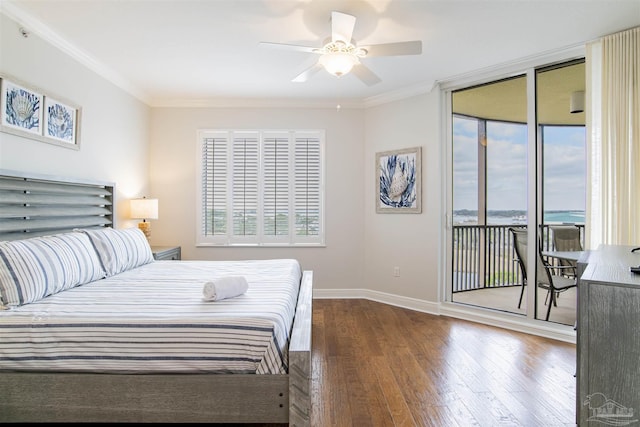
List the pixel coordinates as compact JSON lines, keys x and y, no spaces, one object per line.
{"x":467,"y":217}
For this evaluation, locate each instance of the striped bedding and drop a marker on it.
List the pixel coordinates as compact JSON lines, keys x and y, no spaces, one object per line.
{"x":153,"y":319}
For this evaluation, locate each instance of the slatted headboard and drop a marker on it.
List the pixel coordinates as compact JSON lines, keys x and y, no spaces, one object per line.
{"x":37,"y":205}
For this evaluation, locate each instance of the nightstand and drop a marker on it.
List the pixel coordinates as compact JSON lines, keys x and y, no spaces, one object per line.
{"x":170,"y":253}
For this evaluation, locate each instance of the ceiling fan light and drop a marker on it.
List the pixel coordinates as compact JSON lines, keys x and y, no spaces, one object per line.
{"x":338,"y":63}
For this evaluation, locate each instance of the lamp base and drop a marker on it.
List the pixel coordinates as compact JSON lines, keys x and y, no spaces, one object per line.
{"x":146,"y":228}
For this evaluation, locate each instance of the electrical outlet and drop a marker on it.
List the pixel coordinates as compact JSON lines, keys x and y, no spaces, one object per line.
{"x":396,"y":271}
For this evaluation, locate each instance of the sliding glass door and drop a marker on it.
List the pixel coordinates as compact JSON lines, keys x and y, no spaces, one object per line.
{"x":561,"y":178}
{"x":496,"y":165}
{"x":489,"y":192}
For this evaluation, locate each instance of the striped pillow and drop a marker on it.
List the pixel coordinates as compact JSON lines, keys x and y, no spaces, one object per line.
{"x":34,"y":268}
{"x":120,"y":250}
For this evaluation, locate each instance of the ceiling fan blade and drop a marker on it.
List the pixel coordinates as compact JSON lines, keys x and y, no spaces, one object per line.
{"x":290,"y":47}
{"x":365,"y":74}
{"x":307,"y":73}
{"x":394,"y":49}
{"x":342,"y":27}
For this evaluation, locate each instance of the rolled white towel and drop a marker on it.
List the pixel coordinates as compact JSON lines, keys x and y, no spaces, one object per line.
{"x":225,"y":287}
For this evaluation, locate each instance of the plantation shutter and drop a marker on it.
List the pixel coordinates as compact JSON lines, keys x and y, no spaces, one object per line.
{"x":307,"y":184}
{"x":214,"y":184}
{"x":246,"y":165}
{"x":276,"y":183}
{"x":260,"y":187}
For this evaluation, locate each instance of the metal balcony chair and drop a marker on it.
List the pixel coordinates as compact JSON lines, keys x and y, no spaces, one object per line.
{"x":566,"y":238}
{"x":547,"y":276}
{"x":520,"y":234}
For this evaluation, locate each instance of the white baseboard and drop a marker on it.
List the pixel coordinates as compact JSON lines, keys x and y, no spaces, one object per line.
{"x":485,"y":316}
{"x":396,"y":300}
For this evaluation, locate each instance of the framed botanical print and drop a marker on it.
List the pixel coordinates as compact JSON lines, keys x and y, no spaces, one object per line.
{"x":398,"y":181}
{"x":21,"y":108}
{"x":32,"y":113}
{"x":59,"y":121}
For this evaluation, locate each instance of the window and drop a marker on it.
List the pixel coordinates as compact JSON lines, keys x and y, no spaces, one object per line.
{"x":260,"y":187}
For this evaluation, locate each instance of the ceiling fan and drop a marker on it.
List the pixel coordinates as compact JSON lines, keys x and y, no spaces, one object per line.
{"x":340,"y":54}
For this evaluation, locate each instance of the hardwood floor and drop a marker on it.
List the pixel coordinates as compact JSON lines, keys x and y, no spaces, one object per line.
{"x":379,"y":365}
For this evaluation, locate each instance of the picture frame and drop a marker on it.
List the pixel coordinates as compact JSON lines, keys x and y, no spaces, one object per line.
{"x":60,"y":121}
{"x":21,"y":108}
{"x":29,"y":112}
{"x":399,"y":181}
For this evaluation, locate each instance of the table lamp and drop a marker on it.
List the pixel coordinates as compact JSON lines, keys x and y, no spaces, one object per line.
{"x":144,"y":209}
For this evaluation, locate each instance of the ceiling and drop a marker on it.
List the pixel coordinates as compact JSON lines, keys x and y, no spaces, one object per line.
{"x":506,"y":100}
{"x":207,"y":52}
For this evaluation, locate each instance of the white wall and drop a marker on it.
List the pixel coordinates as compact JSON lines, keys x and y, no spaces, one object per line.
{"x":114,"y":127}
{"x":407,"y":241}
{"x":339,"y":265}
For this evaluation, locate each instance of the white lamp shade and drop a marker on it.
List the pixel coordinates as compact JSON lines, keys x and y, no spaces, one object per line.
{"x":338,"y":63}
{"x":144,"y":208}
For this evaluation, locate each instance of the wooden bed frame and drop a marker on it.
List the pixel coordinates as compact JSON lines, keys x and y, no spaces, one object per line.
{"x":33,"y":205}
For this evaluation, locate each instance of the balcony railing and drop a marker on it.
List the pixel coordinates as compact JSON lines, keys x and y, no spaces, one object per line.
{"x":484,"y":256}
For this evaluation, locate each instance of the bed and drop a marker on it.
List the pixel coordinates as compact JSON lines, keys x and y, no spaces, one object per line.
{"x":117,"y":336}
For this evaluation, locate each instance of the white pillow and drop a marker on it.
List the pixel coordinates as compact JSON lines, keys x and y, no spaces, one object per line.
{"x":32,"y":269}
{"x":120,"y":250}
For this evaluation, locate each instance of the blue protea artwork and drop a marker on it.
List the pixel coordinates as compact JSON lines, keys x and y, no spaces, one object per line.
{"x":398,"y":181}
{"x":60,"y":121}
{"x":22,"y":109}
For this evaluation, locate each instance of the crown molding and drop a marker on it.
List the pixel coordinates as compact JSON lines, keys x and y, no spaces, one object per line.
{"x":513,"y":68}
{"x":397,"y":95}
{"x":14,"y":12}
{"x":35,"y":26}
{"x":255,"y":103}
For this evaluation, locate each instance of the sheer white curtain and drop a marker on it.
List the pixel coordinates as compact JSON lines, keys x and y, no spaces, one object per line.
{"x":613,"y":140}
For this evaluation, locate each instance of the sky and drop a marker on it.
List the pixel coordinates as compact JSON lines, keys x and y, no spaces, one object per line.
{"x":564,"y":166}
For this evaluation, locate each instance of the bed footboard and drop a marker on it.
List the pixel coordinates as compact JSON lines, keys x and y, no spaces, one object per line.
{"x":218,"y":398}
{"x":300,"y":356}
{"x":59,"y":397}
